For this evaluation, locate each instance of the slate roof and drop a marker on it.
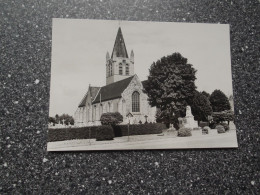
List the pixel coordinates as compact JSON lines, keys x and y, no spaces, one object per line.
{"x":113,"y":90}
{"x":119,"y":49}
{"x":144,"y":83}
{"x":93,"y":92}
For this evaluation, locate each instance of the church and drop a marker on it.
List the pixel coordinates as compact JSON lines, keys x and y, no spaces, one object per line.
{"x":123,"y":92}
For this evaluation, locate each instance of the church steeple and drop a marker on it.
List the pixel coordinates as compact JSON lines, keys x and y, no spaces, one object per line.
{"x":119,"y":49}
{"x":119,"y":66}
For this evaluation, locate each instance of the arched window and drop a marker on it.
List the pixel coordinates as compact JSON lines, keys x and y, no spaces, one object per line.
{"x":101,"y":110}
{"x":120,"y":69}
{"x":126,"y":69}
{"x":135,"y":102}
{"x":94,"y":113}
{"x":110,"y":70}
{"x":109,"y":105}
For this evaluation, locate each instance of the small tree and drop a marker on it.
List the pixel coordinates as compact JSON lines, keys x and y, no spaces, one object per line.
{"x":219,"y":101}
{"x":200,"y":107}
{"x":67,"y":119}
{"x":57,"y":118}
{"x":111,"y":118}
{"x":52,"y":120}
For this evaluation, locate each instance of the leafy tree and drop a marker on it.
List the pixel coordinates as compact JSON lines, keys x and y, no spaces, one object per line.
{"x":205,"y":94}
{"x":52,"y":120}
{"x":111,"y":118}
{"x":200,"y":107}
{"x":219,"y":101}
{"x":57,"y":118}
{"x":170,"y":86}
{"x":67,"y":119}
{"x":227,"y":115}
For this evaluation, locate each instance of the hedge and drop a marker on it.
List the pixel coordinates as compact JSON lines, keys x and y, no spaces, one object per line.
{"x":139,"y":129}
{"x":72,"y":133}
{"x":105,"y":132}
{"x":91,"y":132}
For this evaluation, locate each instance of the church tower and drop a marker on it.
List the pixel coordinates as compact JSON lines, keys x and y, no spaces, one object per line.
{"x":119,"y":66}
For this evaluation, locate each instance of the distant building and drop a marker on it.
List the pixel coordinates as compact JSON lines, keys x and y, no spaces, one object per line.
{"x":123,"y":92}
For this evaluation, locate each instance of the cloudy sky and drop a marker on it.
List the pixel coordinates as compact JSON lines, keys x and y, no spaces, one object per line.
{"x":79,"y":49}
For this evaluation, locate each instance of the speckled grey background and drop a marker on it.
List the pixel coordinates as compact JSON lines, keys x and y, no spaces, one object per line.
{"x":26,"y":167}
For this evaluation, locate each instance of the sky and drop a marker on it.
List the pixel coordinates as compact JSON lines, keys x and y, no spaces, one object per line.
{"x":79,"y":48}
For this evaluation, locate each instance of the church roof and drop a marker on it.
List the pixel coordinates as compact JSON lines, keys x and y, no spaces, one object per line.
{"x":119,"y":49}
{"x":112,"y":91}
{"x":93,"y":92}
{"x":144,"y":83}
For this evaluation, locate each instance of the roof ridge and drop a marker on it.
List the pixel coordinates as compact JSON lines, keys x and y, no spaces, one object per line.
{"x":97,"y":94}
{"x":119,"y":81}
{"x":113,"y":90}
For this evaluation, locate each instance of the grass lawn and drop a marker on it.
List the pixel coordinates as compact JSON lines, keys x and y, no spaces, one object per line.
{"x":167,"y":140}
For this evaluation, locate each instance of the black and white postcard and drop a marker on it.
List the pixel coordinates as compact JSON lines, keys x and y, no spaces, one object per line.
{"x":124,"y":85}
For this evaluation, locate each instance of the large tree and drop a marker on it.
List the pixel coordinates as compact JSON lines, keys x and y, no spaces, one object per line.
{"x":219,"y":101}
{"x":201,"y":107}
{"x":205,"y":94}
{"x":171,"y":85}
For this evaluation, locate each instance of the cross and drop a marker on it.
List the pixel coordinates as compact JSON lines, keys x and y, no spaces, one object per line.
{"x":63,"y":120}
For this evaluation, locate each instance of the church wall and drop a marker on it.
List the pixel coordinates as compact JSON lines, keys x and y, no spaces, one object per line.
{"x":145,"y":108}
{"x":90,"y":115}
{"x":98,"y":110}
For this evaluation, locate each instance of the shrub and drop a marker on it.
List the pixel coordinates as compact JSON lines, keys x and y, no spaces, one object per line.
{"x":105,"y":132}
{"x":184,"y":132}
{"x":212,"y":125}
{"x":220,"y":129}
{"x":205,"y":130}
{"x":226,"y":126}
{"x":111,"y":118}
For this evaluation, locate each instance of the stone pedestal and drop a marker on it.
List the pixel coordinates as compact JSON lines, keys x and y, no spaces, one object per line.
{"x":189,"y":121}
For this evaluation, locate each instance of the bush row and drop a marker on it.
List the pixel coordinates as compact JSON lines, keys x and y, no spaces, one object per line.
{"x":72,"y":133}
{"x":101,"y":133}
{"x":139,"y":129}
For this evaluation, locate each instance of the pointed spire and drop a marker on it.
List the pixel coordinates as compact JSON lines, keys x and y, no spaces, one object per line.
{"x":107,"y":56}
{"x":119,"y":49}
{"x":132,"y":56}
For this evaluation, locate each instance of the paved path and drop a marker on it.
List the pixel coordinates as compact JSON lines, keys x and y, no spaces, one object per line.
{"x":166,"y":141}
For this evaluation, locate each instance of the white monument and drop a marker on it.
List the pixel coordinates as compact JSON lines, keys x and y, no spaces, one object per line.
{"x":189,"y":121}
